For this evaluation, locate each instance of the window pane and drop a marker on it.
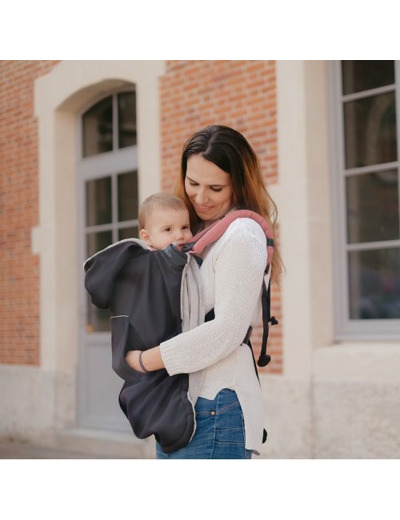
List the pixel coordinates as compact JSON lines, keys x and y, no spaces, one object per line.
{"x":374,"y":284}
{"x":98,"y":320}
{"x":98,"y":201}
{"x":97,"y":241}
{"x":127,"y":196}
{"x":370,"y":130}
{"x":359,"y":75}
{"x":127,"y":119}
{"x":372,"y":207}
{"x":131,"y":232}
{"x":97,"y":128}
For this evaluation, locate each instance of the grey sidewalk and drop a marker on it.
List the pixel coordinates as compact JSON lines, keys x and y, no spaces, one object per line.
{"x":22,"y":450}
{"x":79,"y":443}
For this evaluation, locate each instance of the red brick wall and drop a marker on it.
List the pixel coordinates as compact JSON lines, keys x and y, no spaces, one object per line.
{"x":241,"y":94}
{"x":19,"y":212}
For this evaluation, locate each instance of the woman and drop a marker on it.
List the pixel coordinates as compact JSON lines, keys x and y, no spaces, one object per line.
{"x":220,"y":172}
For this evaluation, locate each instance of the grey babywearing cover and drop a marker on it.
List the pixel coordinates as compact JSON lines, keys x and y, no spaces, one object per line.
{"x":153,"y":296}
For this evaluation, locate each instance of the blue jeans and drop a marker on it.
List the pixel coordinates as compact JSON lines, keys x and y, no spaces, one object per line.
{"x":219,"y":432}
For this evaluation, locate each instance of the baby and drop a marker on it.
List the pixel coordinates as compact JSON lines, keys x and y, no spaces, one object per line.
{"x":164,"y":220}
{"x":153,"y":292}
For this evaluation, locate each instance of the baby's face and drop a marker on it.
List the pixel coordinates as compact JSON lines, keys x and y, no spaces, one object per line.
{"x":167,"y":226}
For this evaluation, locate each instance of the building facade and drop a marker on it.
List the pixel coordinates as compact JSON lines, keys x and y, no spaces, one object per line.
{"x":83,"y":142}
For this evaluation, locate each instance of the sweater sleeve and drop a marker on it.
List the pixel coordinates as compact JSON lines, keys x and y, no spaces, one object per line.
{"x":239,"y":264}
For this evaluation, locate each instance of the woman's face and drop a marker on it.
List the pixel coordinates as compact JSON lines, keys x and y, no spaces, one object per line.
{"x":208,"y":188}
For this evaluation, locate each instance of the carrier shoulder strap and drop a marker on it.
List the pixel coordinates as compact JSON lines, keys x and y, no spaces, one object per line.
{"x":212,"y":233}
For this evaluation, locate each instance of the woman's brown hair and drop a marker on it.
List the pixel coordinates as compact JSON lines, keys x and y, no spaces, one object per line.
{"x":230,"y":151}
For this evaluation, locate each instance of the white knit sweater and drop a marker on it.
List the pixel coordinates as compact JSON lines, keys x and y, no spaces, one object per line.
{"x":212,"y":353}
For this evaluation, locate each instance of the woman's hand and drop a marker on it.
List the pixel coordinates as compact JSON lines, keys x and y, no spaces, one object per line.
{"x":151,"y":360}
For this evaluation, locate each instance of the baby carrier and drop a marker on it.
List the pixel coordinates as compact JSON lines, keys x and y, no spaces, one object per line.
{"x":153,"y":296}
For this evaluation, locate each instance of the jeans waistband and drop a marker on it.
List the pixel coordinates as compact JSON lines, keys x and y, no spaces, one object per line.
{"x":225,"y":398}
